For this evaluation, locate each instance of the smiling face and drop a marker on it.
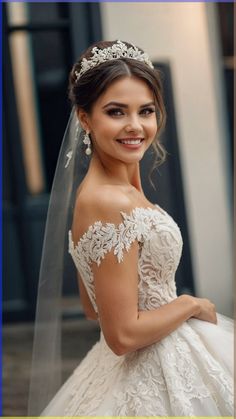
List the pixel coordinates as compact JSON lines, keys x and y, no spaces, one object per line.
{"x":122,"y":123}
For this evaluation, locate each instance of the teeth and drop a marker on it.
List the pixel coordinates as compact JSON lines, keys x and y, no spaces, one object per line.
{"x":130,"y":141}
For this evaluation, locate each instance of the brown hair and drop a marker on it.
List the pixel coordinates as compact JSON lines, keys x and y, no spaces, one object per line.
{"x":84,"y":92}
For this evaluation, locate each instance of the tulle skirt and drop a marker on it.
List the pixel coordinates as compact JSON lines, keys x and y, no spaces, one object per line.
{"x":188,"y":373}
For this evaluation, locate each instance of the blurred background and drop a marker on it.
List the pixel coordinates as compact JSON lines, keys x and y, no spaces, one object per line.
{"x":192,"y":44}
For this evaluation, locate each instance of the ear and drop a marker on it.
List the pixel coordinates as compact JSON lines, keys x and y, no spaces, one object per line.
{"x":84,"y":119}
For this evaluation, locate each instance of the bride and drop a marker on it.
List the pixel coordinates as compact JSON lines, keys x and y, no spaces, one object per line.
{"x":159,"y":354}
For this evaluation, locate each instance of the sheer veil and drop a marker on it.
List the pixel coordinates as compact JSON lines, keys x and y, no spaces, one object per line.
{"x":45,"y":379}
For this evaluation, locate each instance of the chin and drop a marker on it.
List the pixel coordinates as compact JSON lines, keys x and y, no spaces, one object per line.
{"x":132,"y":159}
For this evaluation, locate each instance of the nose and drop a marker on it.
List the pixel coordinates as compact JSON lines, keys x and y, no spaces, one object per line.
{"x":134,"y":124}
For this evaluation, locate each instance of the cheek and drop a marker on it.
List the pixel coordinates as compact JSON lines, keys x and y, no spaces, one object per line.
{"x":111,"y":127}
{"x":152,"y":129}
{"x":105,"y":127}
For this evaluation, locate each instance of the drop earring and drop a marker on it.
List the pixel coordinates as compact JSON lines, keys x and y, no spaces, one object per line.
{"x":87,"y":141}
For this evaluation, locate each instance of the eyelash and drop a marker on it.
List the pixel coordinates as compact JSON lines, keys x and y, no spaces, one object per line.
{"x":113,"y":112}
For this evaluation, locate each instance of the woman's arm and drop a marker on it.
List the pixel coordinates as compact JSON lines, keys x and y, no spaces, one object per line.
{"x":127,"y":329}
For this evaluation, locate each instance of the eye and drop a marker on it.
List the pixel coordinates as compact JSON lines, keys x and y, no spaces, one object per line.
{"x":115,"y":112}
{"x":147,"y":111}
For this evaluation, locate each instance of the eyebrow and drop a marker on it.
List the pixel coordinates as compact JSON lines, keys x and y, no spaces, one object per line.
{"x":123,"y":105}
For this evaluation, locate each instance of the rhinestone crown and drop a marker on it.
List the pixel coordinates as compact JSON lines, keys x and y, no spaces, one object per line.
{"x":116,"y":51}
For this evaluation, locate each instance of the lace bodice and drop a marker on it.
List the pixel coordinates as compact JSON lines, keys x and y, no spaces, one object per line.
{"x":160,"y":247}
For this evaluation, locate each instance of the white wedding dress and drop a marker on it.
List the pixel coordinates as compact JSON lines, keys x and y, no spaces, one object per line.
{"x":188,"y":373}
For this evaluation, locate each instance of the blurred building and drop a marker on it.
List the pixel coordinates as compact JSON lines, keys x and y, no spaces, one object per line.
{"x":192,"y":44}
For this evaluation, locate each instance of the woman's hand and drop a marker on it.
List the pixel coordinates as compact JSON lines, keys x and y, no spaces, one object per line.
{"x":205,"y":310}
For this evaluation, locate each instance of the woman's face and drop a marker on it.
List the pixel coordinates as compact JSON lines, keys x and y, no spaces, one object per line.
{"x":122,"y":123}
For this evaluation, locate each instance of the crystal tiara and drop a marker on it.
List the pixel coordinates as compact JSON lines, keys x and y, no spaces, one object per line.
{"x":116,"y":51}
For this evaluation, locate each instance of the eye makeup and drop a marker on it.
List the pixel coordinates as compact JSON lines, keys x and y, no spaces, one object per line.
{"x":119,"y":111}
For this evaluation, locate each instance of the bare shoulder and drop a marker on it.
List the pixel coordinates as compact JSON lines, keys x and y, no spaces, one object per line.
{"x":101,"y":203}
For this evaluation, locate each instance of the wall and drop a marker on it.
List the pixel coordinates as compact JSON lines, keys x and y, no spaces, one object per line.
{"x":185,"y":35}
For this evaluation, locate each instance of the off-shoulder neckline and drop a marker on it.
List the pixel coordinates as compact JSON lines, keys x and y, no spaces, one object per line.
{"x":156,"y":208}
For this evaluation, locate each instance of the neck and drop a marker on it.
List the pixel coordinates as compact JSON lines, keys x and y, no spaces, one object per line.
{"x":116,"y":172}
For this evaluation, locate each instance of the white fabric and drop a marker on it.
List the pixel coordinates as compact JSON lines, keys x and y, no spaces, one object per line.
{"x":188,"y":373}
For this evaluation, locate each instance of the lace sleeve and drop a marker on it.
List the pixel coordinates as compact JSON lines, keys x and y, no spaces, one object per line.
{"x":101,"y":238}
